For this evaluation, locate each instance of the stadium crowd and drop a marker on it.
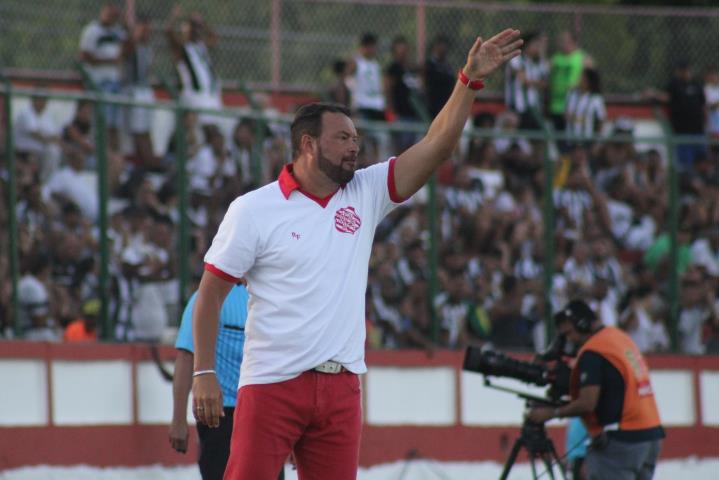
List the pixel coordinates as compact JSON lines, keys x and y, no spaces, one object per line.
{"x":610,"y":231}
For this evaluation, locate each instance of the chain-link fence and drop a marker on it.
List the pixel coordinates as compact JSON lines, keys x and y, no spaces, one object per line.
{"x":292,"y":43}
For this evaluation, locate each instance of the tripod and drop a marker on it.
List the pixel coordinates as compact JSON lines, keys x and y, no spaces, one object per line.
{"x":539,"y":446}
{"x":533,"y":438}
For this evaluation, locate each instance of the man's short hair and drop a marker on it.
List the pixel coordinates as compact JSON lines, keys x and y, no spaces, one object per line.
{"x":368,"y":39}
{"x":439,"y":40}
{"x":530,"y":37}
{"x":308,"y":121}
{"x":339,"y":66}
{"x":399,"y":40}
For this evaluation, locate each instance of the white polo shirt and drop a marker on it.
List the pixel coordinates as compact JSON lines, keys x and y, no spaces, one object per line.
{"x":305,"y":260}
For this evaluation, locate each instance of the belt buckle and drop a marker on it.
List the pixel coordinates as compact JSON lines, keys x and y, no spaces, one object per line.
{"x":329,"y":367}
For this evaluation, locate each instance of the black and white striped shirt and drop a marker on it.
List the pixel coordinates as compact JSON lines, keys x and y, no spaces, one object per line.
{"x":195,"y":69}
{"x":518,"y":96}
{"x":585,"y":113}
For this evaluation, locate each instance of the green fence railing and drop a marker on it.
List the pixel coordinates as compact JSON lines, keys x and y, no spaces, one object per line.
{"x":12,"y":211}
{"x":547,"y":135}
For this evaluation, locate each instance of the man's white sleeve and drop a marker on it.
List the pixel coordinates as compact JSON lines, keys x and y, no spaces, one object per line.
{"x":236,"y":244}
{"x":379,"y":181}
{"x":88,"y":39}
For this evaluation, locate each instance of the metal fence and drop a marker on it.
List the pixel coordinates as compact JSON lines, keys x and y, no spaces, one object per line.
{"x":292,"y":43}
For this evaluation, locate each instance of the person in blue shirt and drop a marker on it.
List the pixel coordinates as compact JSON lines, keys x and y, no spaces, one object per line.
{"x":214,"y":442}
{"x":577,"y":441}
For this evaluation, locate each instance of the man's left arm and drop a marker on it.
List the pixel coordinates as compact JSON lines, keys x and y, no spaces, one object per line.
{"x":414,"y":167}
{"x":590,"y":378}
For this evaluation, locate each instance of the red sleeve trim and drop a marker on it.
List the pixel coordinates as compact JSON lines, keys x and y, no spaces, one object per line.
{"x":220,"y":274}
{"x":391,"y":184}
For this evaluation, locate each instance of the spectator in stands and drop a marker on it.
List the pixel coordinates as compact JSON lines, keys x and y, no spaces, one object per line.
{"x":439,"y":75}
{"x":368,"y":98}
{"x":190,"y":46}
{"x":72,"y":222}
{"x":685,"y":98}
{"x":138,"y":57}
{"x":401,"y":90}
{"x":712,"y":331}
{"x":212,"y":171}
{"x":697,"y":310}
{"x":454,"y":308}
{"x":34,"y":301}
{"x":34,"y":212}
{"x":510,"y":327}
{"x":146,"y":197}
{"x":578,"y":196}
{"x":606,"y":265}
{"x":632,"y":228}
{"x":526,"y":79}
{"x":416,"y":309}
{"x":611,"y":159}
{"x":338,"y":91}
{"x":711,"y":95}
{"x":84,"y":327}
{"x":70,"y":184}
{"x":507,"y":123}
{"x":193,"y":138}
{"x":566,"y":70}
{"x":37,"y":137}
{"x":646,"y":178}
{"x":241,"y":150}
{"x":387,"y":298}
{"x":578,"y":268}
{"x":78,"y":133}
{"x":642,"y":324}
{"x":78,"y":141}
{"x":72,"y":261}
{"x":465,"y":196}
{"x":147,"y":265}
{"x":101,"y":45}
{"x":656,"y":257}
{"x":585,"y":109}
{"x":705,"y":252}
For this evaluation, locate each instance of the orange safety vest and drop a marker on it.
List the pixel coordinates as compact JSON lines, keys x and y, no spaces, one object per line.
{"x":639,"y":411}
{"x":75,"y":332}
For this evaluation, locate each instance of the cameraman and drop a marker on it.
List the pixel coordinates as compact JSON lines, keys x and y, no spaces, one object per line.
{"x":610,"y":390}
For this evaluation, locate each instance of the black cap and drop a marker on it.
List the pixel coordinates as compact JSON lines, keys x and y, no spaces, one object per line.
{"x":578,"y":313}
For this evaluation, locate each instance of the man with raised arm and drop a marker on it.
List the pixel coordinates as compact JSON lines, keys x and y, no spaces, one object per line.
{"x":303,"y":243}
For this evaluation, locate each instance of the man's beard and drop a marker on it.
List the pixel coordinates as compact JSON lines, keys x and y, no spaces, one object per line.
{"x":336,"y":173}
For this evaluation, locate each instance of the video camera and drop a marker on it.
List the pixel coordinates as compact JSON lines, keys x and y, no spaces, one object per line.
{"x":549,"y":368}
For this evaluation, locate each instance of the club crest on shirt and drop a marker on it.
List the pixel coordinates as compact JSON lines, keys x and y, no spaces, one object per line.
{"x":347,"y":220}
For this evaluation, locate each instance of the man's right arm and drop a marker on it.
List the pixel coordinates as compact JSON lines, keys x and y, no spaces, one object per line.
{"x":205,"y":318}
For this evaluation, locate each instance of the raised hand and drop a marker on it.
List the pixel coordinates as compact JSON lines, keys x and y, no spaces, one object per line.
{"x":485,"y":57}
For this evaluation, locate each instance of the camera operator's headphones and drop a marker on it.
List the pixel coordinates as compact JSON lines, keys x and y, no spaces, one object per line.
{"x":578,"y":313}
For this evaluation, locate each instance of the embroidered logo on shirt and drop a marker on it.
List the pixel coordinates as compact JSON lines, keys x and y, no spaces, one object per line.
{"x":347,"y":220}
{"x":295,"y":235}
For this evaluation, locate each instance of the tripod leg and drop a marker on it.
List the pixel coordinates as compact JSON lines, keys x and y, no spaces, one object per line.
{"x":510,"y":460}
{"x":534,"y":467}
{"x":558,"y":461}
{"x":547,"y":459}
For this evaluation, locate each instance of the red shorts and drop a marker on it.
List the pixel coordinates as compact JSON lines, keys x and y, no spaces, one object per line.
{"x":318,"y":415}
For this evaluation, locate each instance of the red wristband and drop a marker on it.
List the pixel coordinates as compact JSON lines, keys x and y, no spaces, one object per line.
{"x":473,"y":84}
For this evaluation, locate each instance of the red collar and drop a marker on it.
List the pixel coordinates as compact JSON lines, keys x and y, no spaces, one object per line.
{"x":288,"y":184}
